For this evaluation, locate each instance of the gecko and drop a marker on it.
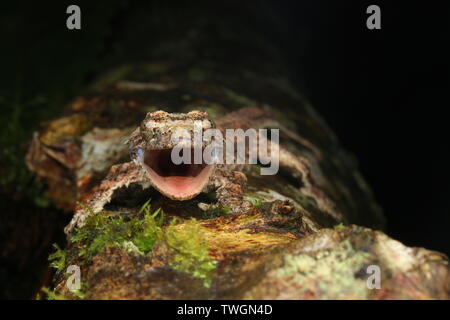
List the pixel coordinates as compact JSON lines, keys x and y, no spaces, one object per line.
{"x":151,"y":166}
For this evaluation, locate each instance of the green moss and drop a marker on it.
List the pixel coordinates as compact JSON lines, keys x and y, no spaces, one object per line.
{"x":150,"y":230}
{"x":79,"y":294}
{"x":339,"y":227}
{"x":190,"y":250}
{"x":58,"y":258}
{"x":257,"y":203}
{"x":216,"y":211}
{"x":50,"y":295}
{"x":138,"y":234}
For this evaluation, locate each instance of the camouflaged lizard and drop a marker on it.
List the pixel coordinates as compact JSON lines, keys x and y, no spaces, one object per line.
{"x":150,"y":148}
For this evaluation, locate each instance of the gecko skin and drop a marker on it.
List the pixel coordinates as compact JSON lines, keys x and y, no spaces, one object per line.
{"x":150,"y":147}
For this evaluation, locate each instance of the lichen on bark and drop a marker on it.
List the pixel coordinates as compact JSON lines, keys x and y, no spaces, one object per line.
{"x":286,"y":246}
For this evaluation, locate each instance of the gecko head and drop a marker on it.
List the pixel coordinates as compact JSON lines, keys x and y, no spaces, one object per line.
{"x":154,"y":153}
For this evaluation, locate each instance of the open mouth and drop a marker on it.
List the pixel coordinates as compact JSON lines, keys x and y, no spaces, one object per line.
{"x":178,"y":182}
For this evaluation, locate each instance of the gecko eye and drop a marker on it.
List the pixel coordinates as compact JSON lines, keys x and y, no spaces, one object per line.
{"x":176,"y":181}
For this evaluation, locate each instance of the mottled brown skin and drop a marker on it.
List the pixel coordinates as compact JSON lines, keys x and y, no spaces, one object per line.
{"x":227,"y":181}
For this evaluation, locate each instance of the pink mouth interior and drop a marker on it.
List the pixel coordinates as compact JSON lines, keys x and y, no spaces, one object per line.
{"x":180,"y":182}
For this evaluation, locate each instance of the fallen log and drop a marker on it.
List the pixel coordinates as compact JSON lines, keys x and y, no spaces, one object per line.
{"x":311,"y":233}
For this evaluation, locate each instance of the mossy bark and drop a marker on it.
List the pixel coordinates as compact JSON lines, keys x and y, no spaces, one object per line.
{"x":285,"y":247}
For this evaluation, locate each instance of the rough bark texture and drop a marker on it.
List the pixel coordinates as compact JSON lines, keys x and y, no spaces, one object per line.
{"x":285,"y":247}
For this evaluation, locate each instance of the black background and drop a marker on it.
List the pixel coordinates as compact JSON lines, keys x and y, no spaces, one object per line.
{"x":386,"y":94}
